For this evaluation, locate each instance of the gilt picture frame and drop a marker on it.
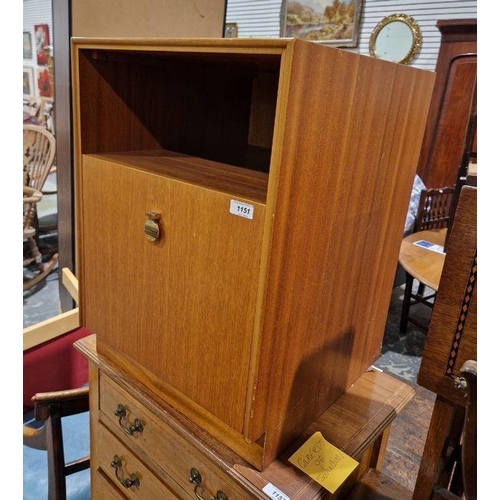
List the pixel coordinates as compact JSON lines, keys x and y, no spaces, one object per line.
{"x":330,"y":22}
{"x":28,"y":82}
{"x":27,"y":46}
{"x":231,"y":30}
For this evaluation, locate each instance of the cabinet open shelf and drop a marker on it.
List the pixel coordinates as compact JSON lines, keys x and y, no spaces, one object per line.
{"x":250,"y":185}
{"x":219,"y":107}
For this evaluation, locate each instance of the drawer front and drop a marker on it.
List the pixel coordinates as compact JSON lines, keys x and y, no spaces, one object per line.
{"x":102,"y":489}
{"x":131,"y":477}
{"x":183,"y":307}
{"x":162,"y":445}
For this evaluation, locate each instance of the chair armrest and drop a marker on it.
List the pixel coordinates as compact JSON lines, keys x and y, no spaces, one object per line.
{"x":68,"y":402}
{"x":35,"y":438}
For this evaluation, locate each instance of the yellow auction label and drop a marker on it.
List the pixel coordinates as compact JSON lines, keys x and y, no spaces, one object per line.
{"x":323,"y":462}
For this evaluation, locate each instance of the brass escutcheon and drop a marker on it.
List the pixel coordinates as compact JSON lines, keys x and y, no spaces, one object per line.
{"x":151,"y":227}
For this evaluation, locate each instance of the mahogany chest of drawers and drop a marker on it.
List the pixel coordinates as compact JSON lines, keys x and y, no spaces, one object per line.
{"x":141,"y":448}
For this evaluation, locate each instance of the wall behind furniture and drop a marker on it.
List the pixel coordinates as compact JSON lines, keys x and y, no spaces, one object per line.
{"x":36,"y":12}
{"x":259,"y":18}
{"x":154,"y":18}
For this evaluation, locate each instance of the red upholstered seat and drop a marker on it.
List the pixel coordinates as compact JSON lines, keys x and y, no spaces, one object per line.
{"x":53,"y":366}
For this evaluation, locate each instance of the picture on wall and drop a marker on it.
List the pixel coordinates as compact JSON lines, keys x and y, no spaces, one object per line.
{"x":41,"y":41}
{"x":332,"y":22}
{"x":28,"y":82}
{"x":44,"y":83}
{"x":27,"y":48}
{"x":231,"y":30}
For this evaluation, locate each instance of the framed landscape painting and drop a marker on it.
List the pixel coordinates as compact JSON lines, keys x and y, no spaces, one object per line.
{"x":332,"y":22}
{"x":28,"y":82}
{"x":27,"y":47}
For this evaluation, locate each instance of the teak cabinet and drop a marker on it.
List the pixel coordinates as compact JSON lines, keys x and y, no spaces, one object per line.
{"x":278,"y":174}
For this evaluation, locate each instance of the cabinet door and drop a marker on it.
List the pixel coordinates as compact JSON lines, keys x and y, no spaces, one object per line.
{"x":183,"y":306}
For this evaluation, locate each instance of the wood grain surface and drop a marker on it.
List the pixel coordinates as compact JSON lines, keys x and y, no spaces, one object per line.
{"x":257,"y":326}
{"x":182,"y":307}
{"x":423,"y":264}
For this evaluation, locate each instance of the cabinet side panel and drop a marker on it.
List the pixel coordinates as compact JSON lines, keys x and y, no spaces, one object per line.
{"x":351,"y":140}
{"x":181,"y":307}
{"x":107,"y":121}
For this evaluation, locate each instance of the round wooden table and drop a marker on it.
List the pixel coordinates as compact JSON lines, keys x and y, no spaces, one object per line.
{"x":423,"y":264}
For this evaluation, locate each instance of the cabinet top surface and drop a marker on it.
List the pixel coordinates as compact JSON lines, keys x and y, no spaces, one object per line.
{"x":187,"y":43}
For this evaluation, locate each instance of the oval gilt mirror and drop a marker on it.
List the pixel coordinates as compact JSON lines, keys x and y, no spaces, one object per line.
{"x":396,"y":38}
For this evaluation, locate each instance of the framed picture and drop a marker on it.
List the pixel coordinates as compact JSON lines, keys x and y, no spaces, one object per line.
{"x":41,"y":41}
{"x":231,"y":30}
{"x":27,"y":48}
{"x":28,"y":82}
{"x":332,"y":22}
{"x":44,"y":81}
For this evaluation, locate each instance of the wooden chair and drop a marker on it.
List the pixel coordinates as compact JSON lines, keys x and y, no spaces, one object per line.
{"x":449,"y":367}
{"x":434,"y":212}
{"x":32,"y":110}
{"x":45,"y":345}
{"x":39,"y":111}
{"x":38,"y":158}
{"x":52,"y":407}
{"x":459,"y":464}
{"x":469,"y":435}
{"x":39,"y":149}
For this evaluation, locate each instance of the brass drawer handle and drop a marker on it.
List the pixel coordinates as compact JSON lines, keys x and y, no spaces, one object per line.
{"x":122,"y":413}
{"x":196,"y":479}
{"x":151,"y":226}
{"x":126,"y":482}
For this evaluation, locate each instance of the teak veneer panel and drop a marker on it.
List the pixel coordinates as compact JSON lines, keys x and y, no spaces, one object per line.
{"x":247,"y":184}
{"x":190,"y":296}
{"x":342,"y":135}
{"x":332,"y":259}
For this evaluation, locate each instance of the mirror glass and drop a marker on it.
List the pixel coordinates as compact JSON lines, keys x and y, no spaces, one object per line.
{"x":396,"y":38}
{"x":45,"y":300}
{"x":41,"y":298}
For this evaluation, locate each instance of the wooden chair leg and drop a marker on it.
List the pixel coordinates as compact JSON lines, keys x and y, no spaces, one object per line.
{"x":379,"y":449}
{"x":431,"y":461}
{"x":43,"y":272}
{"x":55,"y":458}
{"x":469,"y":446}
{"x":406,"y":304}
{"x":421,"y":289}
